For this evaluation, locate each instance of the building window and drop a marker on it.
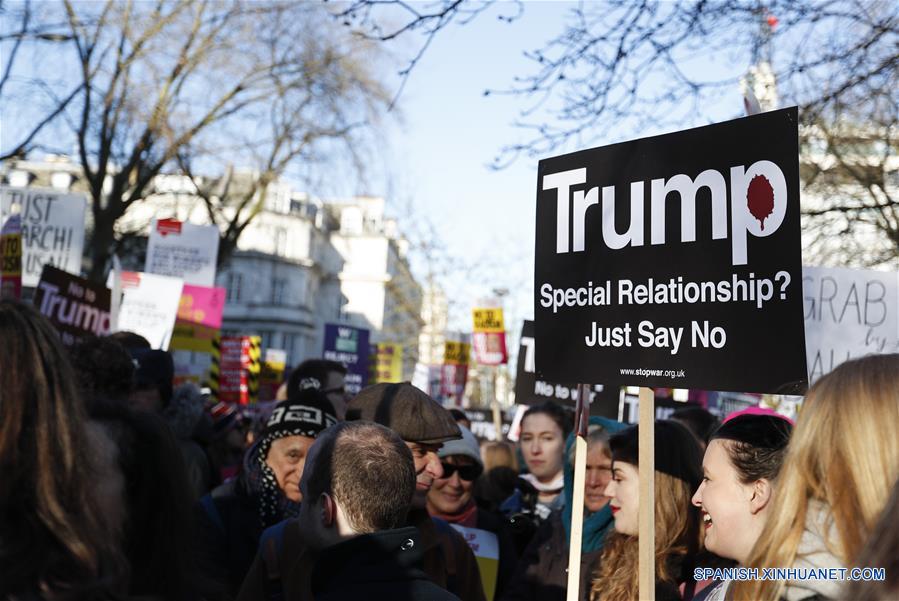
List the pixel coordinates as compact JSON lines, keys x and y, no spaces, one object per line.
{"x":266,"y":337}
{"x":351,"y":221}
{"x":61,"y":180}
{"x":19,"y":178}
{"x":235,"y":280}
{"x":289,"y":345}
{"x":279,"y":292}
{"x":280,"y":241}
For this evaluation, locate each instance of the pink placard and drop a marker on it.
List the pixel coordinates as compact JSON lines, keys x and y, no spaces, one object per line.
{"x":202,"y":305}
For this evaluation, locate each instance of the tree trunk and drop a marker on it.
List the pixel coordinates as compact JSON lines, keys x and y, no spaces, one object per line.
{"x":102,"y":243}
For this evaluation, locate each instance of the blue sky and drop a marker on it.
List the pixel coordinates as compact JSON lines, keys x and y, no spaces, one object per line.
{"x":451,"y":134}
{"x":439,"y":158}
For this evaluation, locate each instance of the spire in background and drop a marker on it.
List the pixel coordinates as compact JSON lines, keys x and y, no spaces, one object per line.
{"x":759,"y":85}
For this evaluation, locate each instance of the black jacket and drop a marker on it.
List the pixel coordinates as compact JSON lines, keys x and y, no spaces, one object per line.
{"x":542,"y":571}
{"x":446,"y":560}
{"x":384,"y":565}
{"x":228,"y":535}
{"x":508,"y":553}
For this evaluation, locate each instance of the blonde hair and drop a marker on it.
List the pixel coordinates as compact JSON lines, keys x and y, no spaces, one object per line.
{"x":499,"y":454}
{"x":677,"y":535}
{"x":844,"y":452}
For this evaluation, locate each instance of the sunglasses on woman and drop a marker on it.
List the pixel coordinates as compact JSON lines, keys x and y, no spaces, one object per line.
{"x":466,"y":472}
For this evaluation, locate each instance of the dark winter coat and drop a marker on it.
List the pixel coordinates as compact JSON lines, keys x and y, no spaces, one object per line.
{"x":228,"y":534}
{"x":508,"y":554}
{"x":384,"y":565}
{"x":446,"y":559}
{"x":542,"y":572}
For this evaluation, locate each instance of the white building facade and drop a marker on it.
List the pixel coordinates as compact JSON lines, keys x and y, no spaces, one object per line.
{"x":299,"y":264}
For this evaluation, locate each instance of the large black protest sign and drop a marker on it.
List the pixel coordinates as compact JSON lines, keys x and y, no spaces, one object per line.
{"x":674,"y":260}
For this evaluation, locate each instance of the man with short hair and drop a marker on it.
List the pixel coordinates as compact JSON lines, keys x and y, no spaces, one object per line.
{"x":328,"y":376}
{"x":424,"y":425}
{"x":358,"y":487}
{"x":284,"y":562}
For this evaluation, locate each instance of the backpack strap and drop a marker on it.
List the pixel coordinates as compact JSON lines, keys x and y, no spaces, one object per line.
{"x":271,"y":545}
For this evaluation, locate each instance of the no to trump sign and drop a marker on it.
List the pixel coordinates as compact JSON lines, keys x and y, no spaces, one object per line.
{"x":674,"y":260}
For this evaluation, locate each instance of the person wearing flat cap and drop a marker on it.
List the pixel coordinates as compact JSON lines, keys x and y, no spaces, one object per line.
{"x":423,"y":425}
{"x":266,"y":490}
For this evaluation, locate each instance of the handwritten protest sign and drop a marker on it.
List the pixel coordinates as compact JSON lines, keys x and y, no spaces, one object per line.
{"x":149,"y":306}
{"x":848,"y":313}
{"x":52,"y":229}
{"x":674,"y":260}
{"x":183,"y":250}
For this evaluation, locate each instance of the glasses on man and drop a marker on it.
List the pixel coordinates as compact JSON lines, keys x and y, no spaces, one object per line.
{"x":338,"y":390}
{"x":466,"y":472}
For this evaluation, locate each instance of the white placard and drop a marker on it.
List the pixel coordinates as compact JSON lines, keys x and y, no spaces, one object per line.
{"x":848,"y":313}
{"x":149,"y":306}
{"x":183,"y":250}
{"x":52,"y":229}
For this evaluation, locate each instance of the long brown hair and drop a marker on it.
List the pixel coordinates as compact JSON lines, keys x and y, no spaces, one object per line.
{"x":844,"y":453}
{"x":54,"y":543}
{"x":677,"y":537}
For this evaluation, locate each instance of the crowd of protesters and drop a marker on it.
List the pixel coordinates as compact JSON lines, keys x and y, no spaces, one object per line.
{"x":115,"y":484}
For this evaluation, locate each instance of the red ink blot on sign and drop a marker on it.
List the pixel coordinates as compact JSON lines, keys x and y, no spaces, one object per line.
{"x":760,"y":199}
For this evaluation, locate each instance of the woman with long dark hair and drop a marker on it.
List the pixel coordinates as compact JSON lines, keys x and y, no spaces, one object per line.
{"x":155,"y":504}
{"x":678,"y":541}
{"x":55,"y":542}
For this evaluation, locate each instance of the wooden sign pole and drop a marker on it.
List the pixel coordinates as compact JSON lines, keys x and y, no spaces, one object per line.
{"x":494,"y":406}
{"x":581,"y":420}
{"x":647,"y":533}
